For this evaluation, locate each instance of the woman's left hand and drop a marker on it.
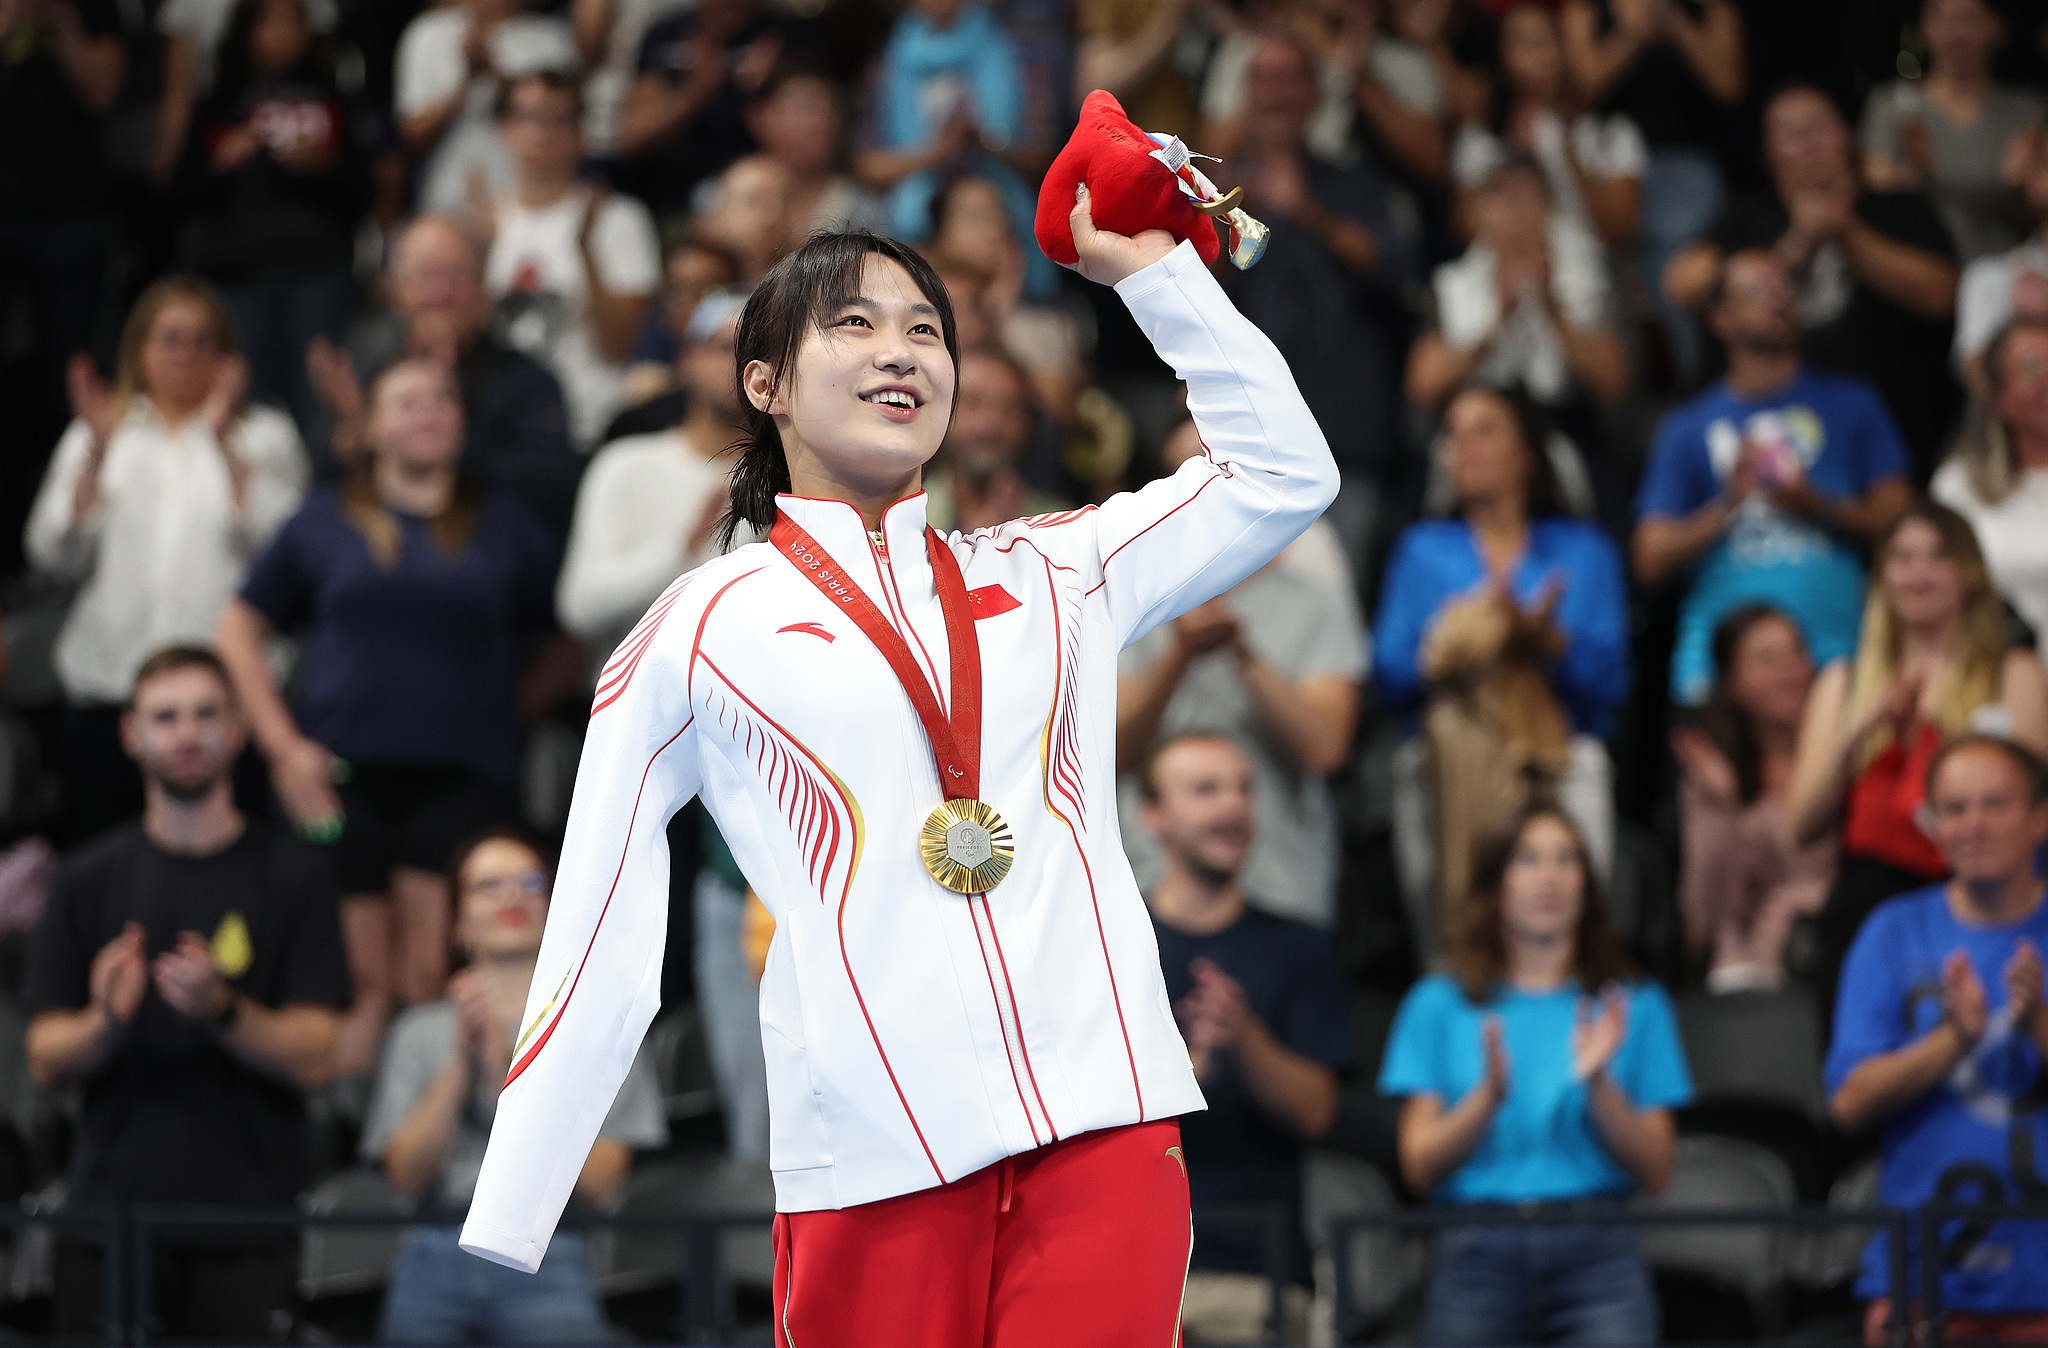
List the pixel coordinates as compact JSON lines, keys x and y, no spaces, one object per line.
{"x":1107,"y":257}
{"x":1599,"y":1033}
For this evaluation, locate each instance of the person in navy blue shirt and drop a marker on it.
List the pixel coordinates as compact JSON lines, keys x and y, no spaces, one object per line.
{"x":1763,"y":488}
{"x":1538,"y":1073}
{"x":1559,"y":583}
{"x":1262,"y":1005}
{"x":421,"y":599}
{"x":1940,"y":1034}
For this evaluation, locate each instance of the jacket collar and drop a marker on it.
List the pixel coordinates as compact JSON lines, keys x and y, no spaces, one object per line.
{"x":839,"y":527}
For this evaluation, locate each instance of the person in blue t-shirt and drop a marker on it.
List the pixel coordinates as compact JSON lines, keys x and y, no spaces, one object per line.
{"x":1538,"y":1073}
{"x":1766,"y":484}
{"x":1940,"y":1034}
{"x":1262,"y":1005}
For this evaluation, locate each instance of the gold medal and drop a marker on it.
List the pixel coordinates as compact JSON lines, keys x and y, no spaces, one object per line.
{"x":966,"y":846}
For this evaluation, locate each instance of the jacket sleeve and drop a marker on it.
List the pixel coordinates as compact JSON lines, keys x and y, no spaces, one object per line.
{"x":1265,"y":476}
{"x":598,"y":981}
{"x":57,"y":542}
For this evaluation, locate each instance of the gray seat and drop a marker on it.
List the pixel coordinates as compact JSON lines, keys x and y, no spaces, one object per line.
{"x":1755,"y":1046}
{"x":1721,"y":1172}
{"x":338,"y":1260}
{"x":1384,"y":1265}
{"x":682,"y":1063}
{"x":1835,"y":1255}
{"x":630,"y":1261}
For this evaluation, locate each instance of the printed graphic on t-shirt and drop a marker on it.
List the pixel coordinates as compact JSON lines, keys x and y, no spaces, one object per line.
{"x":1785,"y":442}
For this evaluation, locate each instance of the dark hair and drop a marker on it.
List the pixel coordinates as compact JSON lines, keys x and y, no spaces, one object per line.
{"x":2026,"y":760}
{"x":798,"y":295}
{"x":1726,"y":723}
{"x":1148,"y":774}
{"x":945,"y":197}
{"x":1478,"y":954}
{"x":235,"y":71}
{"x":171,"y":659}
{"x":1545,"y":495}
{"x":1717,"y":289}
{"x":1522,"y":162}
{"x":469,"y":847}
{"x":554,"y":81}
{"x":1796,"y":85}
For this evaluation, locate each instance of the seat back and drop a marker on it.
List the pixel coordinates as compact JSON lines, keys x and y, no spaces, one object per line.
{"x":338,"y":1260}
{"x":1755,"y":1046}
{"x":1720,"y":1172}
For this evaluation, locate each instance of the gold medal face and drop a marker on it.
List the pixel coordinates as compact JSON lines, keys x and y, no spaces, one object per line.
{"x":966,"y":846}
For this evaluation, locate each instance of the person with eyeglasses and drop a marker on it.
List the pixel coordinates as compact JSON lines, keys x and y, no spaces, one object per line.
{"x":430,"y":1116}
{"x":573,"y":268}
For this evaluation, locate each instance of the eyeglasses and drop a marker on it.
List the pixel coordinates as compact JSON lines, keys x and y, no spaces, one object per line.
{"x":509,"y":886}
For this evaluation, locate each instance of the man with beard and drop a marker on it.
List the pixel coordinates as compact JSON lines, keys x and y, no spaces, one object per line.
{"x":187,"y":976}
{"x":1262,"y":1006}
{"x":1766,"y":485}
{"x":978,"y":482}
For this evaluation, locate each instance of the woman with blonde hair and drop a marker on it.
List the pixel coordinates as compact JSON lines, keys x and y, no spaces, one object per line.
{"x":421,"y":600}
{"x":163,"y":487}
{"x":1997,"y":475}
{"x":1933,"y":662}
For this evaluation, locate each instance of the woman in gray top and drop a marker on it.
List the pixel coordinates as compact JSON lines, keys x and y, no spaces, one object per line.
{"x":437,"y":1091}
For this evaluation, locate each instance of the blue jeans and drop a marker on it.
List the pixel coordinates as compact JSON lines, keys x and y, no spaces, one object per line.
{"x":440,"y":1293}
{"x":1540,"y":1284}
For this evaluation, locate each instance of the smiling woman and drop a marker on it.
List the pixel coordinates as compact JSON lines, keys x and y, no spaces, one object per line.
{"x":924,"y":794}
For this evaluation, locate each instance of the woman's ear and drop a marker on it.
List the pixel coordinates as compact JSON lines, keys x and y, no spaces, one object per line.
{"x":757,"y":381}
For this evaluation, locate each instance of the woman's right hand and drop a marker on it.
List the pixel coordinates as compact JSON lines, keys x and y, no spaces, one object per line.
{"x":304,"y":773}
{"x":1493,"y":1037}
{"x":1704,"y":765}
{"x":1899,"y":708}
{"x":1107,"y":257}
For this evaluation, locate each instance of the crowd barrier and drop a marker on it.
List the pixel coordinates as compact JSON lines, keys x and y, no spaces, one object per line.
{"x":130,"y":1234}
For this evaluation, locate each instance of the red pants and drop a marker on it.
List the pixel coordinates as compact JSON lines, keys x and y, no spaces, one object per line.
{"x":1080,"y":1244}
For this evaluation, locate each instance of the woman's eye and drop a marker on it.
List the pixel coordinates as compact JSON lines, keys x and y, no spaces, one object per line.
{"x":926,"y":329}
{"x":854,"y":318}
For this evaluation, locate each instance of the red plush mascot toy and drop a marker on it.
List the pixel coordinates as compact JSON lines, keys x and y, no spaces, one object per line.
{"x":1138,"y":180}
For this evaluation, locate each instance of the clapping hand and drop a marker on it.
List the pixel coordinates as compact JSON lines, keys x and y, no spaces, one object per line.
{"x":1601,"y":1029}
{"x":1493,"y":1039}
{"x":486,"y":1043}
{"x":120,"y":975}
{"x":188,"y":979}
{"x":1962,"y":997}
{"x":2023,"y":985}
{"x":1206,"y":626}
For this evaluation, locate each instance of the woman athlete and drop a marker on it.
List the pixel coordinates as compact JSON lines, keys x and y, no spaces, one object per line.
{"x":909,"y":742}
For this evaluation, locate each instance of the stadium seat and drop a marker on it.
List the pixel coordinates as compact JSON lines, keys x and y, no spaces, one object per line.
{"x":1755,"y":1046}
{"x":630,"y":1261}
{"x":1385,"y":1265}
{"x":340,"y":1260}
{"x":1749,"y":1262}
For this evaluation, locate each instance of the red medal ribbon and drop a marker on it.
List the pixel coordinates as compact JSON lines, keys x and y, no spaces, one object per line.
{"x":956,"y":745}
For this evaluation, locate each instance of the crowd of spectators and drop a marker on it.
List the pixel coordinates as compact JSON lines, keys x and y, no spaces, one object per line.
{"x":369,"y":372}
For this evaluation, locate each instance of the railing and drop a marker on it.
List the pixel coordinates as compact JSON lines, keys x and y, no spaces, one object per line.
{"x":130,"y":1235}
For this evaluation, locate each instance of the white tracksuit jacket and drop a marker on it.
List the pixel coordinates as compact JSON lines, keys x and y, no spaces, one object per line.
{"x":913,"y":1036}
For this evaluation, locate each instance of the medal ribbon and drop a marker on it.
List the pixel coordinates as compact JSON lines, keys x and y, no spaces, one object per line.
{"x":956,"y":744}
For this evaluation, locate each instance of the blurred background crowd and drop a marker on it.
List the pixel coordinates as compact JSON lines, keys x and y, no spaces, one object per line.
{"x":1553,"y":823}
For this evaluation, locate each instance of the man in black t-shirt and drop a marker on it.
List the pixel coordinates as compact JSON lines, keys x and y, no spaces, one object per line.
{"x":187,"y":975}
{"x":1262,"y":1006}
{"x":1874,"y":272}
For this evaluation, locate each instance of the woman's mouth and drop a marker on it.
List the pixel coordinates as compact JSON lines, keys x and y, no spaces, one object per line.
{"x":897,"y":403}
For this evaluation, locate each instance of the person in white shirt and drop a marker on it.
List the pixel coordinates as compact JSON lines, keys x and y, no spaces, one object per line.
{"x":573,"y":268}
{"x":1997,"y":476}
{"x":1595,"y":161}
{"x":450,"y":63}
{"x":1529,"y":303}
{"x":973,"y":1067}
{"x":2014,"y":284}
{"x":160,"y":491}
{"x":650,"y":505}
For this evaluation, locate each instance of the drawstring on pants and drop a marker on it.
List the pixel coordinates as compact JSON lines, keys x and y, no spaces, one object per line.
{"x":1006,"y":1185}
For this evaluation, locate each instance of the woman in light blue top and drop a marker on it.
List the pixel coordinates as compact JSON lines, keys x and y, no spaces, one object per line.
{"x":1538,"y":1072}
